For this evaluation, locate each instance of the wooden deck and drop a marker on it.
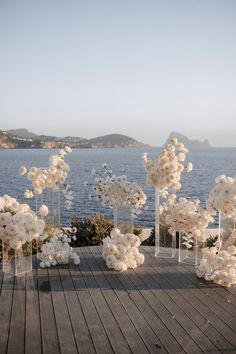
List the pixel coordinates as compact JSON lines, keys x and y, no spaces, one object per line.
{"x":160,"y":307}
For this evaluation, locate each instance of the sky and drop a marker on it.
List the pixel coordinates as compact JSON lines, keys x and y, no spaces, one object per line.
{"x":142,"y":68}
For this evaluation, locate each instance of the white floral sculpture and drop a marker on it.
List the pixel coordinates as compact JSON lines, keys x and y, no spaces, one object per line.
{"x":219,"y":265}
{"x":187,"y":217}
{"x":57,"y":250}
{"x":114,"y":191}
{"x":165,"y":172}
{"x":19,"y":223}
{"x":222,"y":198}
{"x":121,"y":252}
{"x":47,"y":178}
{"x":219,"y":262}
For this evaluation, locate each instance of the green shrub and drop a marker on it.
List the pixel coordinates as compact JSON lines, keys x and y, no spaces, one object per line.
{"x":210,"y":242}
{"x":90,"y":230}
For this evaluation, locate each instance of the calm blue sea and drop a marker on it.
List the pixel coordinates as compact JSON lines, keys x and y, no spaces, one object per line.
{"x":207,"y":165}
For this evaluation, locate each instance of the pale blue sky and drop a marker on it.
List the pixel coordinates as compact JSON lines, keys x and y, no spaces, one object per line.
{"x":141,"y":68}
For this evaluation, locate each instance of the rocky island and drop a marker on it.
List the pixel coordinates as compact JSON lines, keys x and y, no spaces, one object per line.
{"x":190,"y":144}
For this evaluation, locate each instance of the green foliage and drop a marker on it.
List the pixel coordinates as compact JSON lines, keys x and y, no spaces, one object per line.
{"x":90,"y":230}
{"x":210,"y":242}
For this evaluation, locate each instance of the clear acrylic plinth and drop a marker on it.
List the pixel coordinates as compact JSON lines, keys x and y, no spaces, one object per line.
{"x":189,"y":251}
{"x":52,"y":201}
{"x":123,"y":219}
{"x":16,"y":261}
{"x":165,"y":244}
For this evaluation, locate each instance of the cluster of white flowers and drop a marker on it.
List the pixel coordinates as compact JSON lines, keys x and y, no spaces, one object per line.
{"x":57,"y":250}
{"x":68,"y":194}
{"x":121,"y":252}
{"x":118,"y":191}
{"x":187,"y":217}
{"x":165,"y":172}
{"x":219,"y":265}
{"x":222,"y":198}
{"x":19,"y":223}
{"x":51,"y":177}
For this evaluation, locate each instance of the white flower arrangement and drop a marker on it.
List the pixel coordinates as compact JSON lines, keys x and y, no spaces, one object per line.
{"x":19,"y":223}
{"x":51,"y":177}
{"x":219,"y":265}
{"x":165,"y":172}
{"x":187,"y":217}
{"x":118,"y":191}
{"x":222,"y":198}
{"x":57,"y":250}
{"x":68,"y":194}
{"x":121,"y":252}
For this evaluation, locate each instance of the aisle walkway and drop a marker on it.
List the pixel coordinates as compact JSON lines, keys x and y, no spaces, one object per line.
{"x":160,"y":307}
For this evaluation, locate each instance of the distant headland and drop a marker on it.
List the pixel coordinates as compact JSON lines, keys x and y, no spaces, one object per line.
{"x":23,"y":139}
{"x":190,"y":144}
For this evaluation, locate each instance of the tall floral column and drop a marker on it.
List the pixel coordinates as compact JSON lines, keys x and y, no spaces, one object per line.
{"x":124,"y":197}
{"x":222,"y":201}
{"x":219,"y":262}
{"x":19,"y":226}
{"x":46,"y":184}
{"x":164,"y":175}
{"x":189,"y":220}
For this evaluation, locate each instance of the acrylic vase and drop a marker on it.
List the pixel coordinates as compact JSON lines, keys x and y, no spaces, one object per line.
{"x":123,"y":219}
{"x":52,"y":200}
{"x":165,"y":244}
{"x":189,"y":250}
{"x":16,"y":261}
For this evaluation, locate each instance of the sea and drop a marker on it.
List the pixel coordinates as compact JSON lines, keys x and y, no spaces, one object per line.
{"x":207,"y":164}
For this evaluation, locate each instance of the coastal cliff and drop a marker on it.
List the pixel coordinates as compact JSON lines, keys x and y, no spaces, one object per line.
{"x":22,"y":138}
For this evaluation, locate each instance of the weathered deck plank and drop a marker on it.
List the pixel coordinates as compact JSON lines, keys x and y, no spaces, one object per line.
{"x":50,"y":343}
{"x":5,"y":311}
{"x":80,"y":329}
{"x":128,"y":329}
{"x":165,"y":337}
{"x":160,"y":307}
{"x":189,"y":303}
{"x":17,"y":324}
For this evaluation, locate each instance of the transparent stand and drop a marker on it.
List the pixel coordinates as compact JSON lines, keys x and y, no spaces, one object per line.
{"x":189,"y":250}
{"x":123,"y":219}
{"x":165,"y":244}
{"x":52,"y":201}
{"x":16,"y":261}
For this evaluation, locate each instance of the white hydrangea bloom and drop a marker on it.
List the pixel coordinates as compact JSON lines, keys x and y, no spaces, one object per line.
{"x":120,"y":251}
{"x":118,"y":191}
{"x":165,"y":172}
{"x":219,"y":265}
{"x":57,"y":250}
{"x":187,"y":217}
{"x":19,"y":223}
{"x":222,"y":198}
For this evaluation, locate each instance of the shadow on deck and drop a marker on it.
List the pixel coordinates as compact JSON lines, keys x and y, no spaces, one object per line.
{"x":159,"y":307}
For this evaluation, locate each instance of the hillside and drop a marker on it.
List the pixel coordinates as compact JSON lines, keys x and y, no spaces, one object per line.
{"x":22,"y":138}
{"x":188,"y":142}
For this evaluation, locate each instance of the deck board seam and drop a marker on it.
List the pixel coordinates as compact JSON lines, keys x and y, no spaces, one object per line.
{"x":196,"y":309}
{"x":125,"y":308}
{"x":210,"y":309}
